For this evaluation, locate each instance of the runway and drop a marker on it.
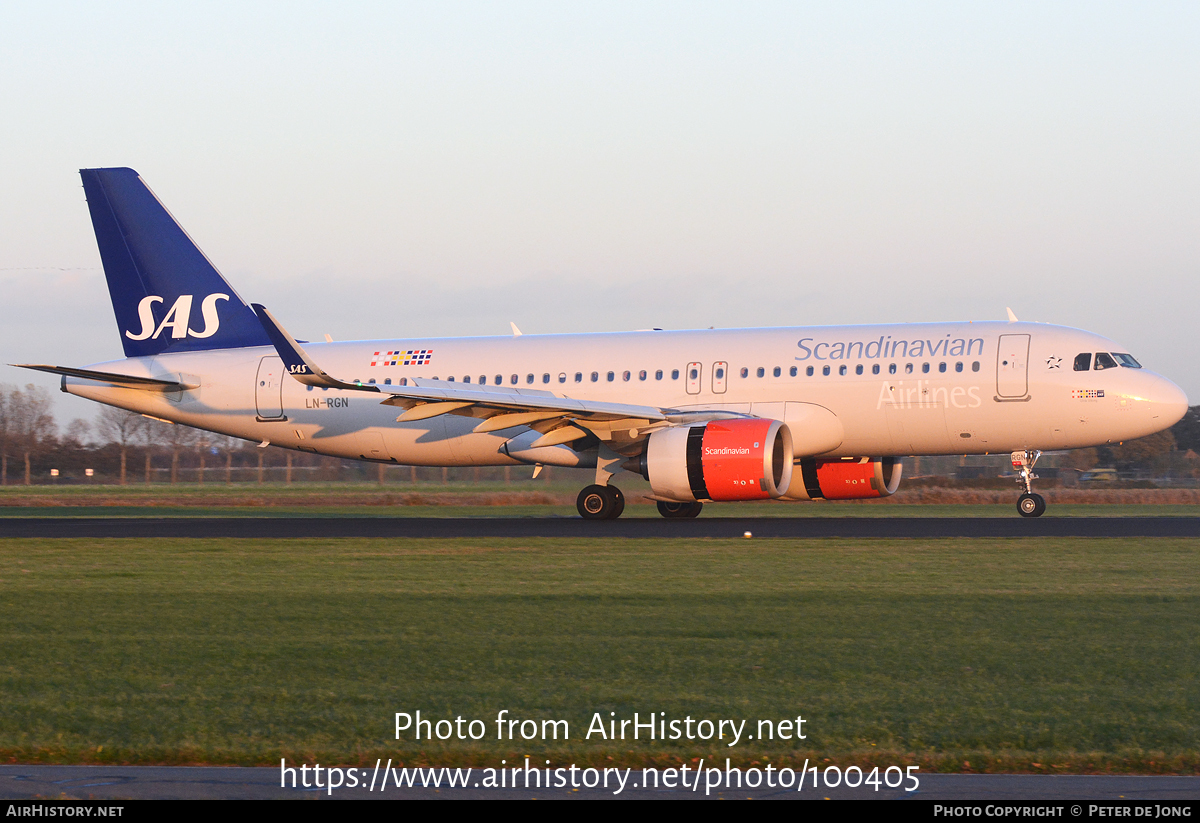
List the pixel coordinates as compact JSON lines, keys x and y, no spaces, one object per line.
{"x":263,"y":783}
{"x":626,"y":528}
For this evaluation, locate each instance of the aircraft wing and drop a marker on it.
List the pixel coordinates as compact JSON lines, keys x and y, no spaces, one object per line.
{"x":559,"y":419}
{"x":125,"y":380}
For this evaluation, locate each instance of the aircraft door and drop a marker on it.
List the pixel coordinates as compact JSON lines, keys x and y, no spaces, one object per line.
{"x":268,"y":388}
{"x":1012,"y":366}
{"x":719,"y":376}
{"x":693,"y":378}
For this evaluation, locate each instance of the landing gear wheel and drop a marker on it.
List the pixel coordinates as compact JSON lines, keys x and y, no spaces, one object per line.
{"x":1031,"y":505}
{"x":679,"y":510}
{"x":600,"y":503}
{"x":619,"y":504}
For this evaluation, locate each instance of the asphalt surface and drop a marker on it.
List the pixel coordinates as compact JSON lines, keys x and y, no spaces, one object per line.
{"x":566,"y":527}
{"x":263,"y":783}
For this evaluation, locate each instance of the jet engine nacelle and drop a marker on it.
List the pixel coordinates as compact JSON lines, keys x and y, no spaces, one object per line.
{"x":845,"y":479}
{"x":738,"y":459}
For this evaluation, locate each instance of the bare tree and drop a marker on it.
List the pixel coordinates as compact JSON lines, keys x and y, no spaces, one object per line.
{"x":78,"y":434}
{"x":153,"y":433}
{"x":121,"y":427}
{"x":225,"y":443}
{"x":178,"y":437}
{"x":31,"y":421}
{"x":6,"y":392}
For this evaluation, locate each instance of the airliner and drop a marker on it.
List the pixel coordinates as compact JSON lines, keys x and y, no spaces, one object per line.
{"x":787,"y":414}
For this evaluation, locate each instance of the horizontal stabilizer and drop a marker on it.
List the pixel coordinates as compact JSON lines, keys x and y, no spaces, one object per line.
{"x":126,"y":380}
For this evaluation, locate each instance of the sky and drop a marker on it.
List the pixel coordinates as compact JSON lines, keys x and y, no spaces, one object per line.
{"x":376,"y":170}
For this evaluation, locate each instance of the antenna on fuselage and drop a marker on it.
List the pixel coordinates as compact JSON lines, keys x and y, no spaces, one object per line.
{"x":1012,"y":318}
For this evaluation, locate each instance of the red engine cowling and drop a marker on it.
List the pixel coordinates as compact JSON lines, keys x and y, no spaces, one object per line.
{"x":846,"y":479}
{"x":740,"y":459}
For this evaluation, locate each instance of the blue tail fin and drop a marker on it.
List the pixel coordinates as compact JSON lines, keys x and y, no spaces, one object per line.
{"x":166,"y":294}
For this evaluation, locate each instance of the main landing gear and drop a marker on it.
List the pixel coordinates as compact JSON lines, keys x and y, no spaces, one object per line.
{"x":1028,"y":504}
{"x":606,"y":503}
{"x":600,"y":503}
{"x":679,"y":510}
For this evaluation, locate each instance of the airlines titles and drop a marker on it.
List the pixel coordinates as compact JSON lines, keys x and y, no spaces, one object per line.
{"x":885,"y":347}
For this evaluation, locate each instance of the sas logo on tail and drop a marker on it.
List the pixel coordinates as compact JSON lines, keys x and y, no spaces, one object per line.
{"x":178,"y":318}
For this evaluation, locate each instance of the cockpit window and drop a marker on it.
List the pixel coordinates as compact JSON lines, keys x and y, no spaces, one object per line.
{"x":1127,"y":360}
{"x":1104,"y":361}
{"x":1083,"y":362}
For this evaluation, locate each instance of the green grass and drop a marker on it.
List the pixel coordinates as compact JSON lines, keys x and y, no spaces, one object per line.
{"x":1031,"y":654}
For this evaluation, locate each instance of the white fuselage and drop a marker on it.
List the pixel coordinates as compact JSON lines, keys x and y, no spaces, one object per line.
{"x":947,"y":388}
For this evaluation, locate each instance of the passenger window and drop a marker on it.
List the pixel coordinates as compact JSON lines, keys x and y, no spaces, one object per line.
{"x":562,"y":377}
{"x":467,"y":379}
{"x":761,"y":371}
{"x":825,"y":371}
{"x":891,"y":368}
{"x":658,"y":375}
{"x":1104,"y":361}
{"x":595,"y":376}
{"x":975,"y":366}
{"x":499,"y":380}
{"x":842,"y":371}
{"x":578,"y":377}
{"x":720,"y":373}
{"x":625,"y":376}
{"x":908,"y":368}
{"x":545,"y":378}
{"x":924,"y":368}
{"x":777,"y":371}
{"x":529,"y":378}
{"x":858,"y":369}
{"x":875,"y":369}
{"x":674,"y":374}
{"x":403,"y":382}
{"x":1083,"y":362}
{"x":642,"y":374}
{"x":387,"y":381}
{"x":611,"y":376}
{"x":513,"y":379}
{"x":958,"y":366}
{"x":942,"y":368}
{"x":792,"y":371}
{"x":372,"y":381}
{"x":745,"y":372}
{"x":809,"y":371}
{"x":694,"y":374}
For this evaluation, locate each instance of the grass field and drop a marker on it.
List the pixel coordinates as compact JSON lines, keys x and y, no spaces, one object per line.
{"x":979,"y":655}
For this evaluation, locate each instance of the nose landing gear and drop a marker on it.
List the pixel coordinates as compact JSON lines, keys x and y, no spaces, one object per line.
{"x":600,"y":503}
{"x":1028,"y":504}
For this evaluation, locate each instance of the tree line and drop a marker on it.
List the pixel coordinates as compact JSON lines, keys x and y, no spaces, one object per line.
{"x":126,"y":447}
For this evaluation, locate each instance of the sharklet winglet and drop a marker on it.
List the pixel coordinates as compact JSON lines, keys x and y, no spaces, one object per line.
{"x":297,"y":362}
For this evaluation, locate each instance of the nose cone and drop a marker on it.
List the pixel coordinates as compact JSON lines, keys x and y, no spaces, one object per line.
{"x":1168,"y":403}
